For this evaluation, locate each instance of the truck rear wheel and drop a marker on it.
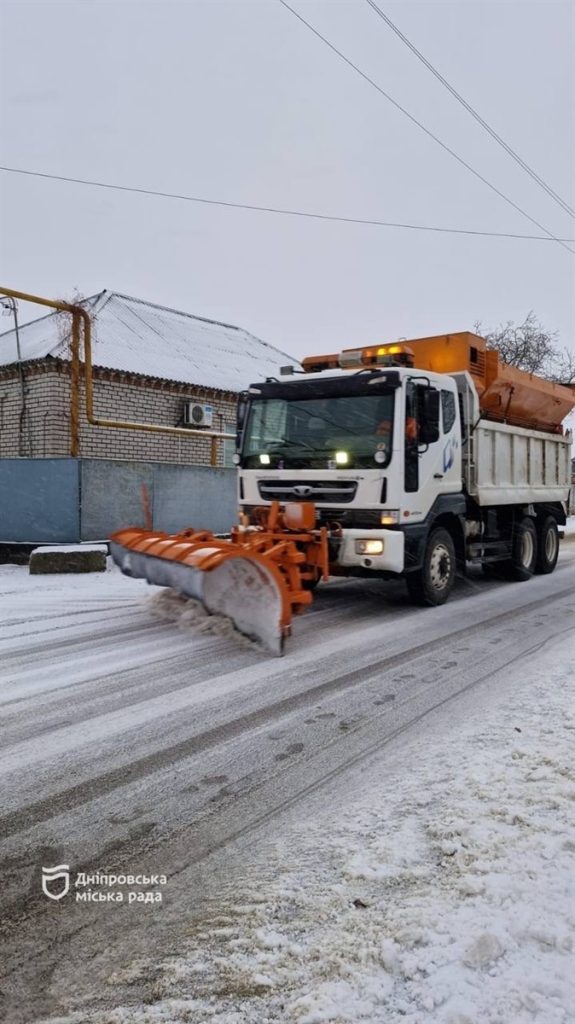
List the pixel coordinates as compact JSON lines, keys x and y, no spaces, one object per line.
{"x":433,"y":583}
{"x":547,"y":546}
{"x":521,"y":565}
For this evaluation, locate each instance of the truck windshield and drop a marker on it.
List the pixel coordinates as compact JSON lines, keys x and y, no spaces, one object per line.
{"x":349,"y":430}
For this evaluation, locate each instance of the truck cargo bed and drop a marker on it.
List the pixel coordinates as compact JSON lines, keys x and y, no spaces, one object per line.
{"x":506,"y":465}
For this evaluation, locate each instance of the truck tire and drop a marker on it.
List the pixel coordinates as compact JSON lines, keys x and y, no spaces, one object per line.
{"x":547,"y":546}
{"x":433,"y":583}
{"x":521,"y":565}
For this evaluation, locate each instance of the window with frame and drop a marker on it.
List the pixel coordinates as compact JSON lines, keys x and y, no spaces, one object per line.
{"x":448,"y":410}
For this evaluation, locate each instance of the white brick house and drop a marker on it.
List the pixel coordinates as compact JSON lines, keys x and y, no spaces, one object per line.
{"x":148,"y":362}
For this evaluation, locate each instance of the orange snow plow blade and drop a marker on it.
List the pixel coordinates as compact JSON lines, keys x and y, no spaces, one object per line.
{"x":256,"y":578}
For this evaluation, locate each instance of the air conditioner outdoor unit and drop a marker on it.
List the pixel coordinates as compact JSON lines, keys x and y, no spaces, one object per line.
{"x":196,"y":415}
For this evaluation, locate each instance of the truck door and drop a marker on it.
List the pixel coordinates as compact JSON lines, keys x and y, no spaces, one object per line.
{"x":431,"y":467}
{"x":451,"y":433}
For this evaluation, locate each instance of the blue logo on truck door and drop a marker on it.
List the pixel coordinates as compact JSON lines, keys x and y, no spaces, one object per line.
{"x":449,"y":453}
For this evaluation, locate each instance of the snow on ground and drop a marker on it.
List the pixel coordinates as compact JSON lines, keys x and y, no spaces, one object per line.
{"x":438,"y":889}
{"x":28,"y":591}
{"x":69,"y":549}
{"x":188,"y":614}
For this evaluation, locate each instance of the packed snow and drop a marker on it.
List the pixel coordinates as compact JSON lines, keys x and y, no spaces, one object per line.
{"x":191,"y":615}
{"x":436,"y":887}
{"x":69,"y":549}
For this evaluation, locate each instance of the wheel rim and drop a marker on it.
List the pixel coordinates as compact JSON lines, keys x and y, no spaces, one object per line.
{"x":440,"y":567}
{"x":550,"y":545}
{"x":527,"y":549}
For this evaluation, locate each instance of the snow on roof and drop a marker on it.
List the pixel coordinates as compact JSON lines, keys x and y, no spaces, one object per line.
{"x":141,"y":337}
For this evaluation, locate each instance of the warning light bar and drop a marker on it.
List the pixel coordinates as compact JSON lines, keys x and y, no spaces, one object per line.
{"x":361,"y":358}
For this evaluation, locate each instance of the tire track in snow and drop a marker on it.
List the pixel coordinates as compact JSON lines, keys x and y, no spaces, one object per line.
{"x":71,"y":644}
{"x":194,"y":855}
{"x":54,"y":938}
{"x":365,"y":753}
{"x":75,"y":796}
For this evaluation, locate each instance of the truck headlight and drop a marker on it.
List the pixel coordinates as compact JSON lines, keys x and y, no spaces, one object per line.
{"x":369,"y":547}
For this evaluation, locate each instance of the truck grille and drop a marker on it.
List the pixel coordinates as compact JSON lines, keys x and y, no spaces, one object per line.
{"x":339,"y":492}
{"x":357,"y":518}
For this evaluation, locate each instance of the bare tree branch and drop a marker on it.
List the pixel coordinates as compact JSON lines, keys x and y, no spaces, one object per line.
{"x":532,"y":348}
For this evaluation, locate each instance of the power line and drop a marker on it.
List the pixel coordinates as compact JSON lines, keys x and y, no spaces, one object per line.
{"x":279,"y":210}
{"x":419,"y":124}
{"x":460,"y":99}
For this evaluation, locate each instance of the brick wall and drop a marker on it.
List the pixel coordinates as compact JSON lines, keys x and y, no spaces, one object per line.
{"x":46,"y":425}
{"x":44,"y":429}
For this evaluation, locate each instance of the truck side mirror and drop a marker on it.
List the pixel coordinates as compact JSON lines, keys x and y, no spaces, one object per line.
{"x":429,"y":415}
{"x":241,"y":412}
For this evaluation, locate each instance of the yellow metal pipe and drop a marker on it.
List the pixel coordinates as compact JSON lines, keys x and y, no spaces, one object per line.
{"x":53,"y":303}
{"x":75,"y":388}
{"x":78,"y":311}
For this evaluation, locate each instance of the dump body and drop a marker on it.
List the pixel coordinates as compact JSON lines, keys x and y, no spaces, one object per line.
{"x":510,"y":465}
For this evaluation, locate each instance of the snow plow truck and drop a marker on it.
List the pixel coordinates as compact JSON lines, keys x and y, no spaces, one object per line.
{"x":409,"y":459}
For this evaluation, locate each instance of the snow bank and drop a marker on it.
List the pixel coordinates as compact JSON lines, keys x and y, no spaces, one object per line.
{"x":438,"y":891}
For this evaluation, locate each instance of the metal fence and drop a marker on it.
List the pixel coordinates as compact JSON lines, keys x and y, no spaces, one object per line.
{"x":61,"y":501}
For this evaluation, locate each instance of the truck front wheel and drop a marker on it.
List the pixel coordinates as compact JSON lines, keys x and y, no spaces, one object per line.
{"x":547,"y":546}
{"x":433,"y":583}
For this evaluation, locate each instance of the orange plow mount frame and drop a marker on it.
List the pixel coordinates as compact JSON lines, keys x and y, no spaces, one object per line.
{"x":257,"y":578}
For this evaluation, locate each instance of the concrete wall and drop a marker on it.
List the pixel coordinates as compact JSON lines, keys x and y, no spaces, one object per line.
{"x":45,"y":501}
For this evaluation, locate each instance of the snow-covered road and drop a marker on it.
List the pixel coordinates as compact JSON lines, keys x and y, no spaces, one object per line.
{"x":132,"y":746}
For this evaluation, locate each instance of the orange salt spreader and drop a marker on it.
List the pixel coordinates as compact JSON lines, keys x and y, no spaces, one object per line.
{"x":506,"y":394}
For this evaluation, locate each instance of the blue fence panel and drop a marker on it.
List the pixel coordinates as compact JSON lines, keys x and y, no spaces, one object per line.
{"x":111,"y":495}
{"x":49,"y":501}
{"x":39,"y":501}
{"x":197,"y":496}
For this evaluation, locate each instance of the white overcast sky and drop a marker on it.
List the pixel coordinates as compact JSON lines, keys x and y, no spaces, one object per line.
{"x":237,"y":100}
